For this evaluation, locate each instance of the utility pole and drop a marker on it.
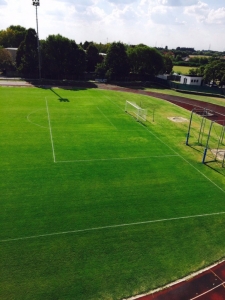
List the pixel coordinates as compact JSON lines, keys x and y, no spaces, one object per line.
{"x":36,"y":3}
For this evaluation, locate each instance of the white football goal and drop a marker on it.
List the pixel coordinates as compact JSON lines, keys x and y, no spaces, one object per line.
{"x":136,"y":111}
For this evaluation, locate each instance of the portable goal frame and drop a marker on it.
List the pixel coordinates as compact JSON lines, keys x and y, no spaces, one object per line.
{"x":136,"y":111}
{"x":210,"y":134}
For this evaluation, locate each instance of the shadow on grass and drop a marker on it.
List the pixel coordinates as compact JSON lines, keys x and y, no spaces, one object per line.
{"x":60,"y":98}
{"x":141,"y":85}
{"x":63,"y":84}
{"x":82,"y":84}
{"x":195,"y":146}
{"x":213,"y":164}
{"x":220,"y":170}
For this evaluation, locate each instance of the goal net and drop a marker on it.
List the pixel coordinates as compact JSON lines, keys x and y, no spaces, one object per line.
{"x":206,"y":134}
{"x":136,"y":111}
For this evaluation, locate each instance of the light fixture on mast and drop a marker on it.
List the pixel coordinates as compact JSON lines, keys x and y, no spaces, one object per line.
{"x":36,"y":3}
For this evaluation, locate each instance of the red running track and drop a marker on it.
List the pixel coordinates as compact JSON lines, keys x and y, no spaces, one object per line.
{"x":209,"y":285}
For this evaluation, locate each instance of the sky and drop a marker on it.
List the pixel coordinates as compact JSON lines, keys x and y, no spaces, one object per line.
{"x":156,"y":23}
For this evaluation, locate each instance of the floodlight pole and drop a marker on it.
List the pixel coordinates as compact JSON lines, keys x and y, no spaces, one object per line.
{"x":36,"y":3}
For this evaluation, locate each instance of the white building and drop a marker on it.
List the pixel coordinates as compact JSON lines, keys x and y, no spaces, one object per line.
{"x":163,"y":76}
{"x":191,"y":80}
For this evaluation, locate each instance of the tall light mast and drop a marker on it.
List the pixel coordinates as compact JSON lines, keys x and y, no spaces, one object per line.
{"x":36,"y":3}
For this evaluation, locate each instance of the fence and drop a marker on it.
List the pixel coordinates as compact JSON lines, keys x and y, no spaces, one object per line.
{"x":190,"y":88}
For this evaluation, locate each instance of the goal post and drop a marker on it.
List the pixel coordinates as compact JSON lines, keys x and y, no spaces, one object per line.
{"x":198,"y":116}
{"x":215,"y":143}
{"x":136,"y":111}
{"x":206,"y":134}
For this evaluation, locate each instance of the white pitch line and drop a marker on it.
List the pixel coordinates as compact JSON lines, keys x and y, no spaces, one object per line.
{"x":114,"y":103}
{"x":28,"y":118}
{"x":183,"y":158}
{"x":106,"y":117}
{"x":50,"y":129}
{"x":109,"y":227}
{"x":162,"y":143}
{"x":117,"y":158}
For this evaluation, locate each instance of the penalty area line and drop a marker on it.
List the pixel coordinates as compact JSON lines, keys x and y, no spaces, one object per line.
{"x":195,"y":168}
{"x":108,"y":227}
{"x":116,"y":158}
{"x":50,"y":130}
{"x":106,"y":117}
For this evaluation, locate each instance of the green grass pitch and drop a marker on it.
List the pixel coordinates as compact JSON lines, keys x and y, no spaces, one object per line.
{"x":95,"y":205}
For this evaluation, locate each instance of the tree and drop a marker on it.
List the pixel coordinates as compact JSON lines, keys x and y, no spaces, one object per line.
{"x":101,"y":70}
{"x":197,"y":71}
{"x":145,"y":61}
{"x":102,"y":48}
{"x":222,"y":81}
{"x":86,"y":44}
{"x":27,"y":55}
{"x":93,"y":57}
{"x":215,"y":71}
{"x":116,"y":61}
{"x":192,"y":72}
{"x":199,"y":60}
{"x":168,"y":64}
{"x":6,"y":61}
{"x":12,"y":36}
{"x":77,"y":62}
{"x":178,"y":58}
{"x":62,"y":58}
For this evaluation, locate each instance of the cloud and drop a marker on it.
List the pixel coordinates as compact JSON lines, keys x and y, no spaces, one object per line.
{"x":203,"y":13}
{"x":178,"y":22}
{"x":177,"y":2}
{"x":119,"y":2}
{"x":166,"y":15}
{"x":199,"y":10}
{"x":92,"y":14}
{"x":161,"y":22}
{"x":79,"y":2}
{"x":78,"y":5}
{"x":128,"y":17}
{"x":216,"y":16}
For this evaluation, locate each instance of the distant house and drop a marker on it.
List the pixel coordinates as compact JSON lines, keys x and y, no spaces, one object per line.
{"x":186,"y":58}
{"x":191,"y":80}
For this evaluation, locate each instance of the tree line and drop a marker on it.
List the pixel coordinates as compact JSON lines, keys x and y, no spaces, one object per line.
{"x":62,"y":58}
{"x":212,"y":73}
